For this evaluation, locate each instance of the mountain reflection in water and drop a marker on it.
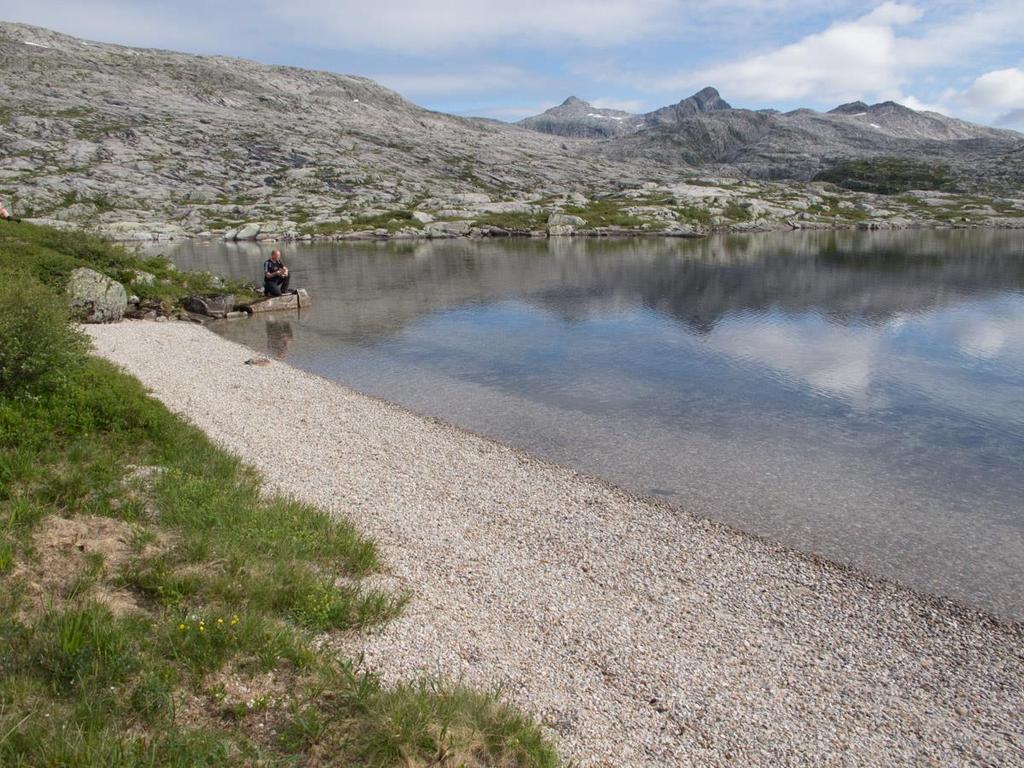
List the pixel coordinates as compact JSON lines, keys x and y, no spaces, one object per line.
{"x":858,"y":395}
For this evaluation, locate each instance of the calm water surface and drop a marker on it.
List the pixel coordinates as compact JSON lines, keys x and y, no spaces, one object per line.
{"x":856,"y":395}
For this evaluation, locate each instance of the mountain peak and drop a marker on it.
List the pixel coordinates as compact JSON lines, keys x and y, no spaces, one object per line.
{"x":851,"y":108}
{"x":707,"y":100}
{"x":574,"y":101}
{"x":703,"y":101}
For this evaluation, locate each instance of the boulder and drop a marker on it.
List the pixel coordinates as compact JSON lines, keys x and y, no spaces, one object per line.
{"x":297,"y":299}
{"x":448,"y":228}
{"x":422,"y":217}
{"x":141,"y":231}
{"x":95,"y":298}
{"x":565,"y":220}
{"x":469,"y":198}
{"x":508,"y":207}
{"x":247,"y":232}
{"x":210,"y":306}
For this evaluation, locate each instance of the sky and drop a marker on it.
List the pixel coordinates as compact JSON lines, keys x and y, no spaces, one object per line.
{"x":511,"y":59}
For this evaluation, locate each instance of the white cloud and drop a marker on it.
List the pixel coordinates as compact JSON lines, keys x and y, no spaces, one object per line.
{"x":839,"y":64}
{"x":420,"y":27}
{"x":116,"y":21}
{"x":509,"y":114}
{"x":922,"y":106}
{"x":413,"y":84}
{"x":997,"y":96}
{"x":1012,"y":119}
{"x":625,"y":105}
{"x":1000,"y":89}
{"x":878,"y":56}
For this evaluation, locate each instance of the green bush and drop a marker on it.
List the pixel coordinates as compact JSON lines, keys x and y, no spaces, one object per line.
{"x":39,"y":345}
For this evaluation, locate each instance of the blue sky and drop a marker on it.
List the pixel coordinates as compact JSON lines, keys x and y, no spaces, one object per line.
{"x":511,"y":59}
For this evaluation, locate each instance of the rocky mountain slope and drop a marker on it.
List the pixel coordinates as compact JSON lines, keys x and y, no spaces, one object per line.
{"x":89,"y":128}
{"x":576,"y":118}
{"x":704,"y":130}
{"x":132,"y":140}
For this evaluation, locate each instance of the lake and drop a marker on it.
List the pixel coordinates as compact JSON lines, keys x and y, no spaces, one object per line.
{"x":856,"y":395}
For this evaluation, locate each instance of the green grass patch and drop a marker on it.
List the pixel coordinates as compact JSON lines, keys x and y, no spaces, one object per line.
{"x":50,"y":256}
{"x":694,"y":215}
{"x":192,"y":583}
{"x":513,"y":221}
{"x":888,"y":175}
{"x":736,"y":212}
{"x":608,"y":212}
{"x":392,"y":221}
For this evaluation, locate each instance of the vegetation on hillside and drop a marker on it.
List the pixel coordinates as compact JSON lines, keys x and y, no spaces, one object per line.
{"x":157,"y":607}
{"x":888,"y":175}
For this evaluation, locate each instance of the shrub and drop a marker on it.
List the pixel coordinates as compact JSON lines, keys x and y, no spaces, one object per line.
{"x":39,"y":346}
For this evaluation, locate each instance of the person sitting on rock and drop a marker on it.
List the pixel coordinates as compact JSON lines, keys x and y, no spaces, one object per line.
{"x":275,"y":275}
{"x":4,"y":213}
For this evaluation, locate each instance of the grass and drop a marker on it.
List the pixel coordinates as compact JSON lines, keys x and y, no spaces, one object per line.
{"x":514,"y":222}
{"x":694,"y":214}
{"x":608,"y":212}
{"x":888,"y":175}
{"x":392,"y":221}
{"x":50,"y":256}
{"x":196,"y":625}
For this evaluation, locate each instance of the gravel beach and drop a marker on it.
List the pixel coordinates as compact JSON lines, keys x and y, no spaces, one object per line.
{"x":640,"y":635}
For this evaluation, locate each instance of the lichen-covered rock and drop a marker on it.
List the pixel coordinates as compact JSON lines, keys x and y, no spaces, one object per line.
{"x":95,"y":298}
{"x":565,"y":220}
{"x":448,"y":228}
{"x":248,"y":232}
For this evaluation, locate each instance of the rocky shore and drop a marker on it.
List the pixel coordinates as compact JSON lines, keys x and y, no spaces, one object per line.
{"x":639,"y":634}
{"x":694,"y":208}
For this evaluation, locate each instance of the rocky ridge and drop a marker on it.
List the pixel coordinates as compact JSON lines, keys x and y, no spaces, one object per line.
{"x":146,"y":144}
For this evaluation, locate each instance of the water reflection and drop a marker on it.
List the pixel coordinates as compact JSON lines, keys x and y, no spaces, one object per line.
{"x":279,"y":336}
{"x":855,"y":394}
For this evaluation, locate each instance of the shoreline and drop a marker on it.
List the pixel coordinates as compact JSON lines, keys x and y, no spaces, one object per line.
{"x":641,"y":634}
{"x":163,"y":232}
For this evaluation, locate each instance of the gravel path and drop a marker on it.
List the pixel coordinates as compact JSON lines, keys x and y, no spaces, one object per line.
{"x":642,"y":636}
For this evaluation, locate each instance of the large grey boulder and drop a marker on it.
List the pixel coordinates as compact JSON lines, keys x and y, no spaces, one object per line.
{"x":248,"y":232}
{"x":448,"y":228}
{"x":210,"y":306}
{"x":95,"y":298}
{"x":565,"y":220}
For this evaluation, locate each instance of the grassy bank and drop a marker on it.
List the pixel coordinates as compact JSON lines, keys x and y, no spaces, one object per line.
{"x":49,"y":256}
{"x":158,"y":608}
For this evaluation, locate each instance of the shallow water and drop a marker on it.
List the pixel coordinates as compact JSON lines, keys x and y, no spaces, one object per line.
{"x":857,"y":395}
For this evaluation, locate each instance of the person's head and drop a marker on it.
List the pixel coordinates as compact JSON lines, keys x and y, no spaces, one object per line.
{"x":275,"y":255}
